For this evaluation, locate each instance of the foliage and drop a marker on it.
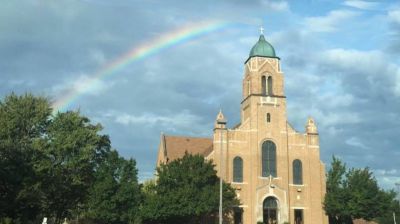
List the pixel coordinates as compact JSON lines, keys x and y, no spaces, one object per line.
{"x":52,"y":164}
{"x":70,"y":153}
{"x":387,"y":217}
{"x":336,"y":195}
{"x":115,"y":195}
{"x":186,"y":191}
{"x":23,"y":122}
{"x":353,"y":194}
{"x":367,"y":201}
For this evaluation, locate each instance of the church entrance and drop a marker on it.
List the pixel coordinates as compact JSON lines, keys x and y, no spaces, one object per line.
{"x":270,"y":211}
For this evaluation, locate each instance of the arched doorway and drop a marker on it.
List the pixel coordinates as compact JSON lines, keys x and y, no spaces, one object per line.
{"x":270,"y":211}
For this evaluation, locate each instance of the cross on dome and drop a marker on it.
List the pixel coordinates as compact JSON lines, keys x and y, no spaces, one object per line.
{"x":261,"y":30}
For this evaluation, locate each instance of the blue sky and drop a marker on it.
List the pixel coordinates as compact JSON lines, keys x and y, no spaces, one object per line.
{"x":340,"y":59}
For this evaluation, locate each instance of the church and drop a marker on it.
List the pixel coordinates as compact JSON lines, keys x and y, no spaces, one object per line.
{"x":275,"y":169}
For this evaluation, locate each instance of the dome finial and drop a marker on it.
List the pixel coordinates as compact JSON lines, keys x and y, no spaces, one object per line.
{"x":261,"y":30}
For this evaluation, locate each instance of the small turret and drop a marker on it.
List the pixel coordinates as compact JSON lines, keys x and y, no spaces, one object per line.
{"x":220,"y":121}
{"x":311,"y":128}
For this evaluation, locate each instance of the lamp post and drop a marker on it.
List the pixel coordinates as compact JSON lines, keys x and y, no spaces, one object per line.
{"x":221,"y":123}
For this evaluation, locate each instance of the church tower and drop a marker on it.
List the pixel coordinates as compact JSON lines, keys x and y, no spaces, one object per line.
{"x":276,"y":170}
{"x":264,"y":101}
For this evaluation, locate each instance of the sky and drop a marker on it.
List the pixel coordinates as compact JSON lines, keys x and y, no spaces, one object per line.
{"x":340,"y":59}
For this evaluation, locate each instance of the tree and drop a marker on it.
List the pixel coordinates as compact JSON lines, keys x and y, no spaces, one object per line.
{"x":367,"y":201}
{"x":394,"y":207}
{"x":186,"y":191}
{"x":353,"y":194}
{"x":23,"y":123}
{"x":129,"y":195}
{"x":70,"y":153}
{"x":336,"y":195}
{"x":50,"y":163}
{"x":115,"y":195}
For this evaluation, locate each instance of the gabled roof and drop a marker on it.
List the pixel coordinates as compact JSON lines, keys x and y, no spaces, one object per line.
{"x":176,"y":146}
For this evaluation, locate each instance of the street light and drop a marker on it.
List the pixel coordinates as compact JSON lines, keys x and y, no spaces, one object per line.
{"x":221,"y":123}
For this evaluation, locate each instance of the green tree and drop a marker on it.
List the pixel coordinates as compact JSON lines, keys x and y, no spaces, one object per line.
{"x":115,"y":195}
{"x":367,"y":201}
{"x":71,"y":151}
{"x":186,"y":191}
{"x":23,"y":123}
{"x":354,"y":194}
{"x":129,"y":194}
{"x":50,"y":165}
{"x":387,"y":217}
{"x":336,"y":195}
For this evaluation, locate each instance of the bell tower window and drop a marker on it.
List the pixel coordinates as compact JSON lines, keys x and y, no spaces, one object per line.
{"x":268,"y":117}
{"x":269,"y":85}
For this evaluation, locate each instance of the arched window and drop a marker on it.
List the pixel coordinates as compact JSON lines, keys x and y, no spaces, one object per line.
{"x":297,"y":172}
{"x":270,"y":202}
{"x":268,"y":159}
{"x":268,"y":117}
{"x":263,"y":86}
{"x":237,"y":169}
{"x":269,"y":85}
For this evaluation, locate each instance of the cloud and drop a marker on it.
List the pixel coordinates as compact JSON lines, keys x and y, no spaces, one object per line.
{"x":179,"y":119}
{"x":329,"y":23}
{"x":372,"y":66}
{"x":98,"y":56}
{"x":394,"y":16}
{"x":360,"y":4}
{"x":388,"y":179}
{"x":275,"y":5}
{"x":354,"y":141}
{"x":183,"y":121}
{"x":390,"y":172}
{"x":83,"y":84}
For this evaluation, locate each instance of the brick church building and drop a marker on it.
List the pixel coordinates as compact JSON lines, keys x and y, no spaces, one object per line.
{"x":276,"y":170}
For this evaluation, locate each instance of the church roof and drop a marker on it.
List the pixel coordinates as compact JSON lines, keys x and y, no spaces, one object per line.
{"x":176,"y":146}
{"x":262,"y":49}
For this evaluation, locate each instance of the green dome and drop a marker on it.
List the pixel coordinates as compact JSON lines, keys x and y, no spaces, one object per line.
{"x":262,"y":49}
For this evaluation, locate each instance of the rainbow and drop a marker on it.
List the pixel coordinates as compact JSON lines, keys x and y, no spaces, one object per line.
{"x":143,"y":51}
